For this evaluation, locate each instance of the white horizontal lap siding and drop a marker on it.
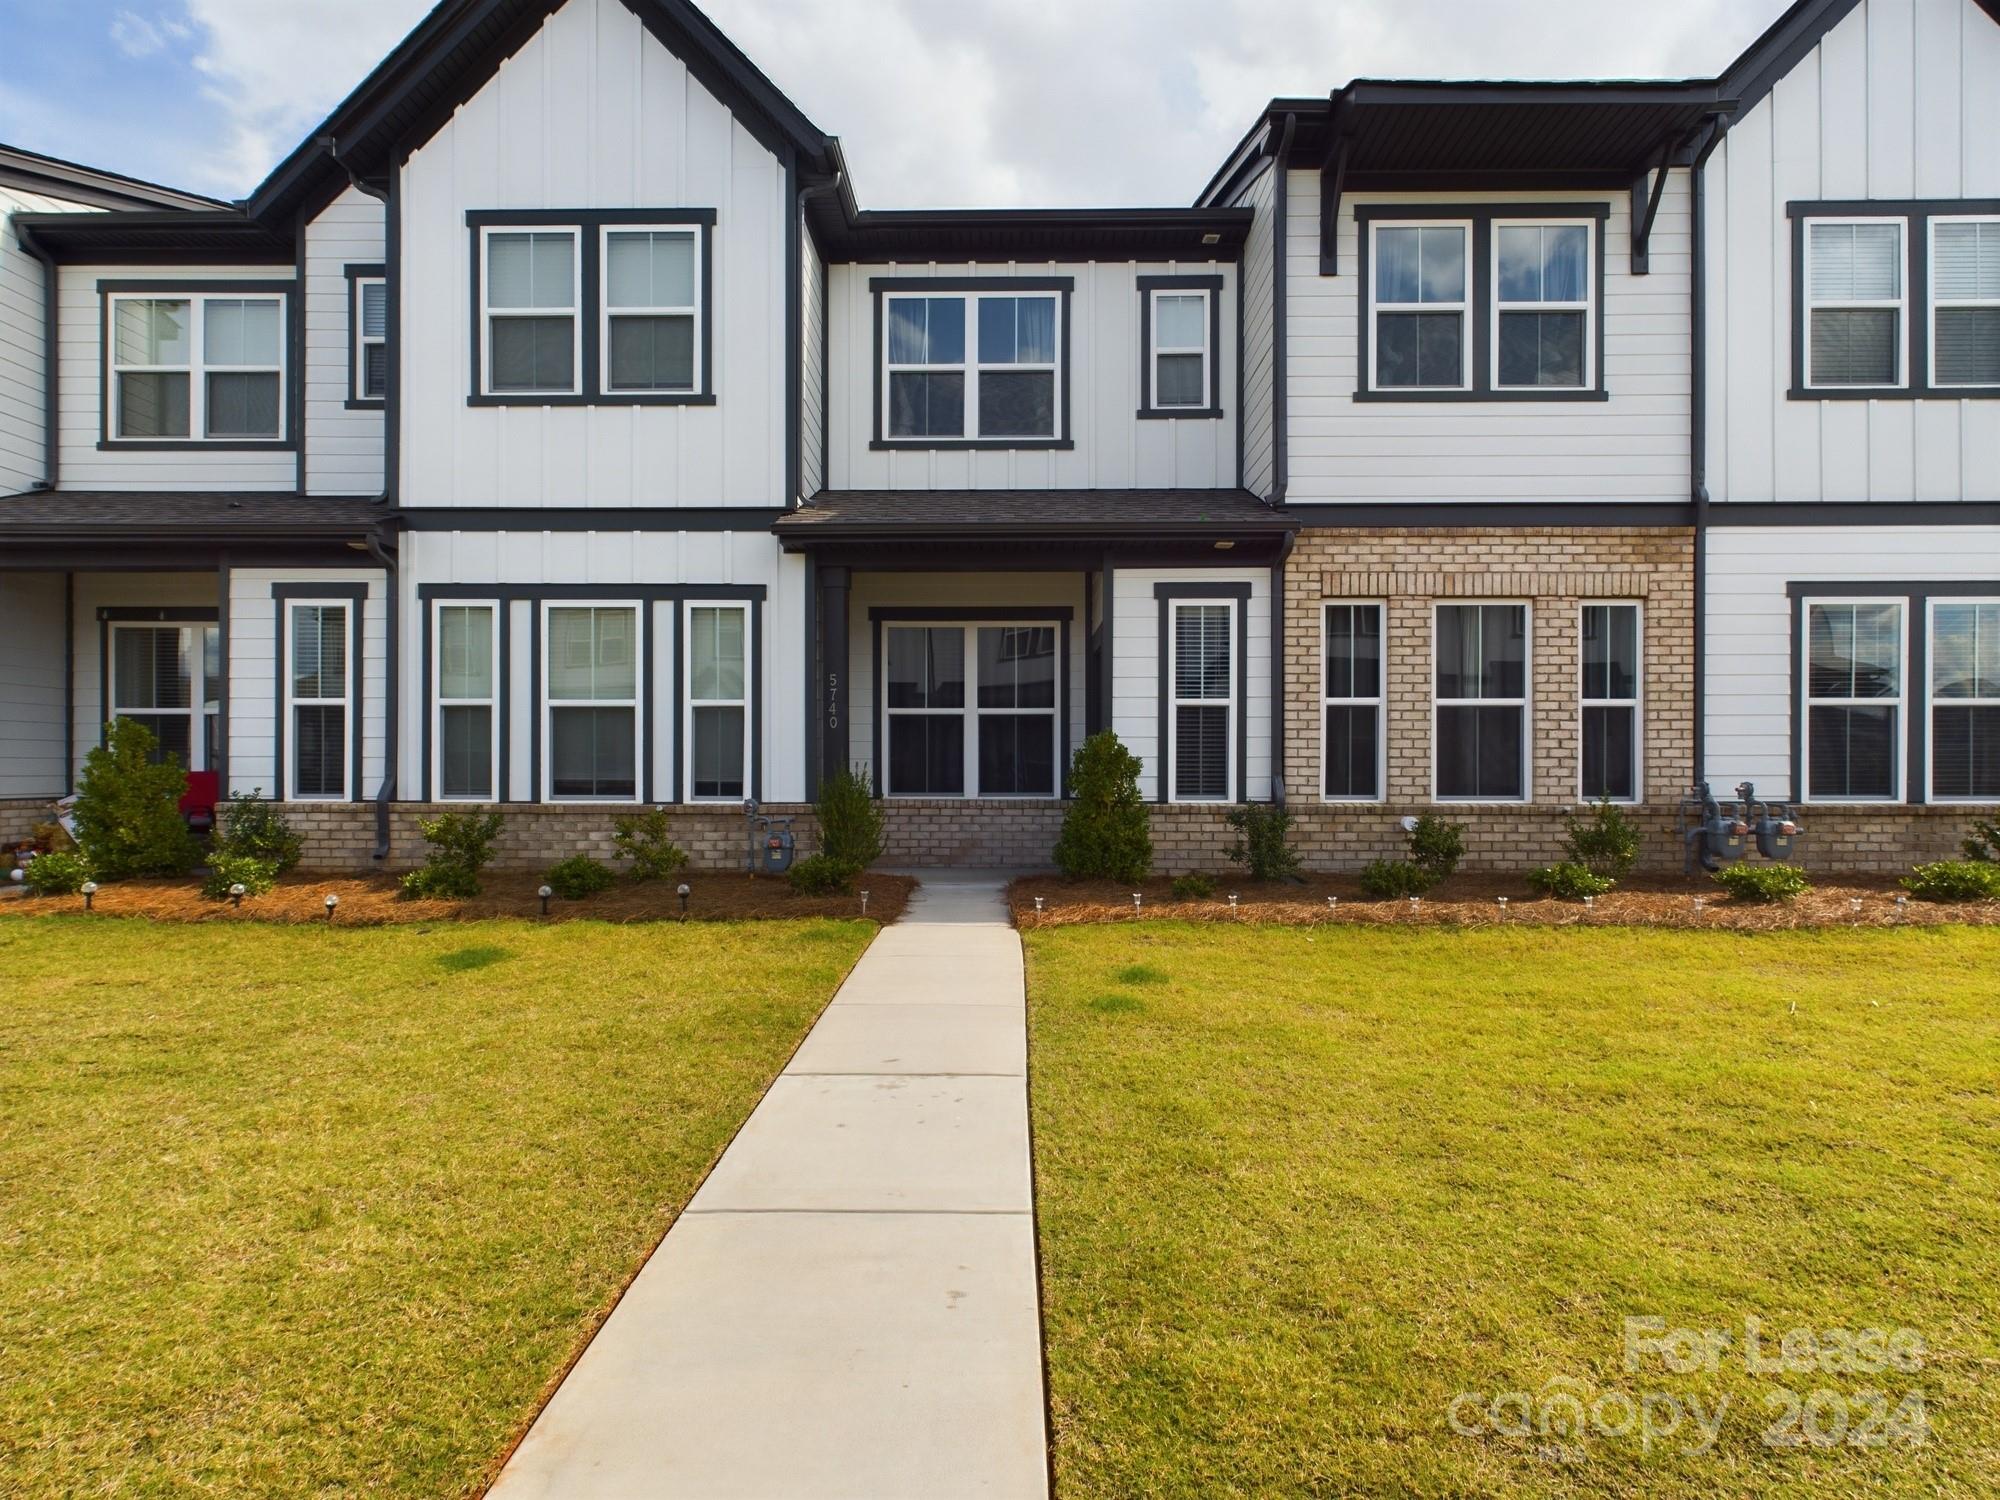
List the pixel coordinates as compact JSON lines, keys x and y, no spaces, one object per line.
{"x":80,"y":422}
{"x":593,"y":113}
{"x":1748,"y":703}
{"x":23,"y":358}
{"x":615,"y":562}
{"x":1900,"y":100}
{"x":254,"y":707}
{"x":1135,"y":668}
{"x":812,"y":373}
{"x":95,"y":591}
{"x":1633,"y":446}
{"x":1259,"y":316}
{"x":1113,"y":448}
{"x":31,"y":685}
{"x":343,"y":445}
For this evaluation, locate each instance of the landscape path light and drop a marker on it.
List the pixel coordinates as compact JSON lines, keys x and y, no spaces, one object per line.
{"x":545,"y":892}
{"x":682,"y":890}
{"x":864,"y":903}
{"x":89,"y":889}
{"x":331,"y":902}
{"x":236,"y":894}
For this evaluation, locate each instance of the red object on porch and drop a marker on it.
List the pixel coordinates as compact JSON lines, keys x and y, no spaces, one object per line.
{"x":198,"y":803}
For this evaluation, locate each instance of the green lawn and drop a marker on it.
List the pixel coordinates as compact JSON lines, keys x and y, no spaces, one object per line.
{"x":1299,"y":1189}
{"x":291,"y":1212}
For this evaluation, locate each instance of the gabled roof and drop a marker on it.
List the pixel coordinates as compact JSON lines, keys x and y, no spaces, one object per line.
{"x":52,"y":177}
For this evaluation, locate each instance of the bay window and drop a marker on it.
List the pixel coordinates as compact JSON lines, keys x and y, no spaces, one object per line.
{"x":466,"y":735}
{"x":592,"y":666}
{"x":1854,"y":700}
{"x":718,"y":708}
{"x":970,"y":364}
{"x":1610,"y":703}
{"x":1351,"y":703}
{"x":1481,"y":703}
{"x":1965,"y":700}
{"x":195,"y":366}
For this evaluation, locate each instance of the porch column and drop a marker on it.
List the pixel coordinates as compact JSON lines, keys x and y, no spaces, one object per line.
{"x":835,"y":751}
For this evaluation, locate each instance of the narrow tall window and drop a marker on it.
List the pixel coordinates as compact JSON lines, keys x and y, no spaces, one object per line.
{"x":371,"y":338}
{"x":1181,"y":352}
{"x":467,"y":738}
{"x":531,"y":290}
{"x":1420,"y":306}
{"x":155,"y":672}
{"x":152,"y":343}
{"x":1965,"y":700}
{"x":1016,"y":669}
{"x":1017,"y":366}
{"x":1482,"y":702}
{"x":318,"y":688}
{"x":651,"y":310}
{"x":1542,"y":305}
{"x":1351,"y":689}
{"x":718,"y":638}
{"x":1965,"y":302}
{"x":924,"y":710}
{"x":1610,"y":697}
{"x":926,"y":354}
{"x":1201,"y":719}
{"x":591,"y":694}
{"x":1854,"y":701}
{"x":1854,"y":303}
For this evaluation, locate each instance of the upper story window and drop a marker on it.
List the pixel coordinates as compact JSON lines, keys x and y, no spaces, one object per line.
{"x":971,"y":364}
{"x":1542,"y":305}
{"x":1181,"y":333}
{"x":1422,"y":295}
{"x":592,"y":307}
{"x":1965,"y":302}
{"x":195,"y":367}
{"x":368,"y":317}
{"x":1854,"y":303}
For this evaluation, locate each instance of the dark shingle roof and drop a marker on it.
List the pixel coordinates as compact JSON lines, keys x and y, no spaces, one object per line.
{"x":965,"y":514}
{"x":209,"y":515}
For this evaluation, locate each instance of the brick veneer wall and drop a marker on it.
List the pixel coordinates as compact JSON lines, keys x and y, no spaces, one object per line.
{"x":18,"y":819}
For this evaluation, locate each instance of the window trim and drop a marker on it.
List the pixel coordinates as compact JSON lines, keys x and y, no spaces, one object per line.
{"x":1591,"y":305}
{"x":1901,"y":305}
{"x":1933,"y":304}
{"x":1637,"y":702}
{"x":1901,"y":737}
{"x":1380,"y":703}
{"x":1526,"y":702}
{"x":1166,"y":596}
{"x":1932,"y":702}
{"x":354,"y":599}
{"x":689,"y":703}
{"x":695,"y":310}
{"x":1151,"y":288}
{"x":639,"y":701}
{"x":1480,"y":355}
{"x":196,"y":291}
{"x":881,"y":288}
{"x":587,"y":225}
{"x":434,"y":681}
{"x":359,"y":276}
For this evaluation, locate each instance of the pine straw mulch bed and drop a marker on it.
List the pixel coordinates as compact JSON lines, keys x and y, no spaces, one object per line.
{"x":1652,"y":901}
{"x":373,"y":900}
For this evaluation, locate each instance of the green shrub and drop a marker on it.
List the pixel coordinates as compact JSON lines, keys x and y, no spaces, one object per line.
{"x":579,"y":876}
{"x":461,"y":845}
{"x":1265,"y":848}
{"x":1570,"y":880}
{"x":1606,"y":844}
{"x":1105,"y":832}
{"x":850,"y":820}
{"x":1748,"y":882}
{"x":253,"y":828}
{"x":1390,"y":878}
{"x":57,"y":873}
{"x":1194,"y":886}
{"x":254,"y":874}
{"x":1953,"y":880}
{"x":644,"y":840}
{"x":128,"y":816}
{"x":822,"y":875}
{"x":1983,"y":843}
{"x":1437,"y":846}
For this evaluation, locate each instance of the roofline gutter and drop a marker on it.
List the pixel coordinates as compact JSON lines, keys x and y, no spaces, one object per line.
{"x":51,"y":365}
{"x":1698,"y":434}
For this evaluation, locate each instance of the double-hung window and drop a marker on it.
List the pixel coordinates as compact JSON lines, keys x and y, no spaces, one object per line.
{"x":971,"y":710}
{"x":1181,"y":323}
{"x":1965,"y":700}
{"x":466,"y":738}
{"x":531,"y":289}
{"x":1015,"y":667}
{"x":652,"y":278}
{"x":1965,"y":303}
{"x":1854,"y":652}
{"x":1855,"y":297}
{"x":1420,"y":296}
{"x":319,"y":708}
{"x":1481,"y":703}
{"x":1610,"y":701}
{"x":155,"y":670}
{"x":924,"y":705}
{"x":1351,"y":693}
{"x":196,"y":367}
{"x":971,"y":366}
{"x":369,"y":318}
{"x":1201,"y":716}
{"x":1542,"y":300}
{"x":718,"y":676}
{"x":591,"y":676}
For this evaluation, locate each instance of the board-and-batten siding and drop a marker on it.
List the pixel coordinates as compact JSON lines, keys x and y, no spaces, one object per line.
{"x":1113,"y":448}
{"x":812,"y":371}
{"x":79,"y":314}
{"x":1900,"y":100}
{"x":593,"y":112}
{"x":1633,"y":446}
{"x":1259,"y":344}
{"x":31,"y":685}
{"x":23,"y":360}
{"x":343,"y":444}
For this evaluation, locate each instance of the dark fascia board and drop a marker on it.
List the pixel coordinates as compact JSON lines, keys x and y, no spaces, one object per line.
{"x":1691,"y":91}
{"x":54,"y":177}
{"x":221,"y":236}
{"x":880,"y":235}
{"x":1781,"y":48}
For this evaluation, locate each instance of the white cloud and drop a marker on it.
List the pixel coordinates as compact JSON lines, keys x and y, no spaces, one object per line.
{"x":140,"y":36}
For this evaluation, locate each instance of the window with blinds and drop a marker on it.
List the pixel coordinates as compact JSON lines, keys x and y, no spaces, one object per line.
{"x":466,"y":736}
{"x":1965,"y":700}
{"x":1965,"y":302}
{"x":1201,"y":718}
{"x":531,"y":288}
{"x":591,"y":674}
{"x":371,"y":338}
{"x":1854,"y":700}
{"x":317,"y":689}
{"x":1854,"y":306}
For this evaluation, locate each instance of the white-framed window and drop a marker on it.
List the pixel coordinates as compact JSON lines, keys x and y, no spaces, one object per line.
{"x":1855,"y":655}
{"x":1611,"y":730}
{"x":155,"y":672}
{"x":1202,"y":709}
{"x":972,"y":366}
{"x":650,"y":321}
{"x":1544,"y":304}
{"x":1965,"y":700}
{"x":319,"y":706}
{"x":531,"y":293}
{"x":1419,"y":305}
{"x":1182,"y":359}
{"x":971,"y":709}
{"x":1855,"y":303}
{"x":592,"y":669}
{"x":718,"y":707}
{"x":465,"y":694}
{"x":1965,"y":302}
{"x":369,"y":318}
{"x":1352,"y":717}
{"x":196,"y":366}
{"x":1480,"y":697}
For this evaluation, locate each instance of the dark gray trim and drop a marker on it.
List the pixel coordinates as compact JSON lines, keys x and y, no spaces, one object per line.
{"x":835,"y":666}
{"x":1872,"y":588}
{"x":51,"y":366}
{"x":1212,"y":397}
{"x":504,"y":778}
{"x":392,"y":413}
{"x":291,"y":378}
{"x":1278,"y":705}
{"x":1480,"y":308}
{"x":1062,"y":286}
{"x":283,"y":594}
{"x":1332,"y":188}
{"x":1107,"y":644}
{"x":815,"y":680}
{"x":1698,"y":445}
{"x":69,"y":683}
{"x":595,"y":593}
{"x":745,"y":518}
{"x":1645,"y":207}
{"x":218,"y":754}
{"x":794,"y":331}
{"x":1281,"y":361}
{"x":294,"y":391}
{"x":1498,"y":514}
{"x":1724,"y":513}
{"x":588,"y":223}
{"x":358,"y":272}
{"x":1165,"y":595}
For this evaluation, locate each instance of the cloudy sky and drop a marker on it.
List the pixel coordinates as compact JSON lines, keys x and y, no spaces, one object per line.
{"x":938,"y":102}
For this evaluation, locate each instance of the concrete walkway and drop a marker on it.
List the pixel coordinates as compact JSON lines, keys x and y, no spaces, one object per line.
{"x":848,"y":1306}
